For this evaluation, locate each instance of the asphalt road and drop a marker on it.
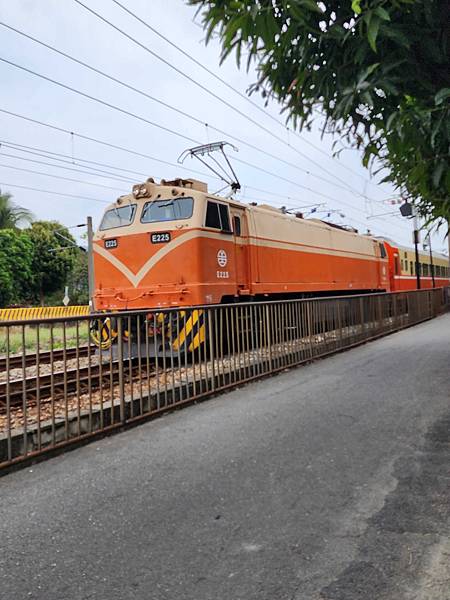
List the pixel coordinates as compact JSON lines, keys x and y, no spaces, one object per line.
{"x":330,"y":481}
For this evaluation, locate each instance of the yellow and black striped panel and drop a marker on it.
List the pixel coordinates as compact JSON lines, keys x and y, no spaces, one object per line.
{"x":192,"y":331}
{"x":42,"y":312}
{"x":103,"y":333}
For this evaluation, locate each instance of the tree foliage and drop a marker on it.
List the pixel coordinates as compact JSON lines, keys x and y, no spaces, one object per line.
{"x":37,"y":262}
{"x":379,"y":70}
{"x":16,"y":273}
{"x":78,"y":280}
{"x":10,"y":214}
{"x":52,"y":258}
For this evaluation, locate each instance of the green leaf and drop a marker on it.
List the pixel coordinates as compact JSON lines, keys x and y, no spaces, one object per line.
{"x":311,"y":5}
{"x":372,"y":32}
{"x":372,"y":68}
{"x":382,"y":13}
{"x":441,"y":96}
{"x":437,"y":173}
{"x":356,"y":7}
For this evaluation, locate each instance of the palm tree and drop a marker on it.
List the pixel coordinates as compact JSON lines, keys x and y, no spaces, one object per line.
{"x":10,"y":214}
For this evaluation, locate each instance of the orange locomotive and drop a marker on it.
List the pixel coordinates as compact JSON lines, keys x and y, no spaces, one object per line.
{"x":175,"y":245}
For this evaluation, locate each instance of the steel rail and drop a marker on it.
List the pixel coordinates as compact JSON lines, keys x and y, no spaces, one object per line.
{"x":57,"y":384}
{"x":16,"y":360}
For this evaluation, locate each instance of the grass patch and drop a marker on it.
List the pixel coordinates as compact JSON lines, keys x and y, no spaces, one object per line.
{"x":18,"y":341}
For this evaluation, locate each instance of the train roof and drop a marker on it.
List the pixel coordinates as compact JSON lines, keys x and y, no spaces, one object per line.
{"x":179,"y":186}
{"x":411,"y":249}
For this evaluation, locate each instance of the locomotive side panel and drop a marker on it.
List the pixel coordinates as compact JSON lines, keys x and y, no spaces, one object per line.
{"x":296,"y":255}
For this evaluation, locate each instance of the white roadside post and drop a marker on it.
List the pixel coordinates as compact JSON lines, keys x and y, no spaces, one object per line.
{"x":66,"y":298}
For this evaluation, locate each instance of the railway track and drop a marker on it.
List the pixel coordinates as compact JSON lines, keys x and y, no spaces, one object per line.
{"x":56,"y":384}
{"x":16,"y":360}
{"x":62,"y":384}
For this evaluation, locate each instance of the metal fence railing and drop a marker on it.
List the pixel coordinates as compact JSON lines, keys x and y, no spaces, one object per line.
{"x":58,"y":387}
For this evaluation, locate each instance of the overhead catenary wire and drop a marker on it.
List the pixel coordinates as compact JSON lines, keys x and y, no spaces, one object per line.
{"x":235,"y":90}
{"x":97,"y":141}
{"x":206,"y":89}
{"x":58,"y":193}
{"x":53,"y":176}
{"x":55,"y":156}
{"x":131,"y":114}
{"x":177,"y":110}
{"x":243,"y":197}
{"x":275,"y":175}
{"x":93,"y":171}
{"x":95,"y":99}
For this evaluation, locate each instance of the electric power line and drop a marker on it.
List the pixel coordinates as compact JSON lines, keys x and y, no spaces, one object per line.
{"x":59,"y":177}
{"x":236,"y":91}
{"x":98,"y":141}
{"x":25,"y":187}
{"x":95,"y":99}
{"x":92,"y":172}
{"x":77,"y":160}
{"x":129,"y":113}
{"x":275,"y":175}
{"x":175,"y":109}
{"x":205,"y":89}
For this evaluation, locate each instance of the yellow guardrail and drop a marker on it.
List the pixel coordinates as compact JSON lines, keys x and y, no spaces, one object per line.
{"x":42,"y":312}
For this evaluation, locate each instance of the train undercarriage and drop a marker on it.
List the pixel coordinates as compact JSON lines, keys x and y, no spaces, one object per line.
{"x":176,"y":333}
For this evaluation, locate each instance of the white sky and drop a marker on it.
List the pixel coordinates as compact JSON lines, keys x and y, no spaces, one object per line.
{"x":70,"y":28}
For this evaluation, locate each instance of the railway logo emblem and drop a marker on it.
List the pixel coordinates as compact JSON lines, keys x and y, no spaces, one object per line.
{"x":222,"y":258}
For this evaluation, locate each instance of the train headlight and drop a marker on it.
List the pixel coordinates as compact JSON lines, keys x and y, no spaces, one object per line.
{"x":140,"y":191}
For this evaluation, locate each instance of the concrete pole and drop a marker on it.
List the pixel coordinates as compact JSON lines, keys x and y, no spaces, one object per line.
{"x":416,"y":248}
{"x":90,"y":240}
{"x":431,"y":260}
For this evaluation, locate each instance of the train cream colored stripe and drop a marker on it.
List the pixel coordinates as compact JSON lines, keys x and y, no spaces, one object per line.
{"x":299,"y":247}
{"x":136,"y":278}
{"x":421,"y":277}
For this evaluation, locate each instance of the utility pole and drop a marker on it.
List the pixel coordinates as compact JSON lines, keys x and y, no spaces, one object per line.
{"x":431,"y":260}
{"x":90,"y":240}
{"x":416,"y":248}
{"x":408,"y":210}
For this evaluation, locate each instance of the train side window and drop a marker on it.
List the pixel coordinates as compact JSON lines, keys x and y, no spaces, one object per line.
{"x":217,"y":216}
{"x":224,"y":218}
{"x":212,"y":215}
{"x":237,"y":225}
{"x":411,"y":271}
{"x":382,"y":251}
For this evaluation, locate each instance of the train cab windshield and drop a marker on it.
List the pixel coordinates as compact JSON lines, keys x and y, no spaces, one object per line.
{"x":167,"y":210}
{"x":118,"y":217}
